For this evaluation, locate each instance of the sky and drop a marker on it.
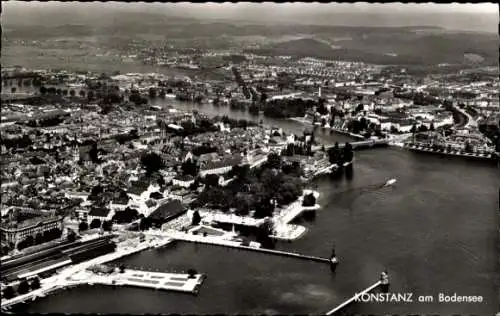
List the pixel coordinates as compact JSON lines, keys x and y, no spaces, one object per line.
{"x":477,"y":16}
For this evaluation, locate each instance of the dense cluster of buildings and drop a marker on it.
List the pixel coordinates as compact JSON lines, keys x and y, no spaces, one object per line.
{"x":66,"y":133}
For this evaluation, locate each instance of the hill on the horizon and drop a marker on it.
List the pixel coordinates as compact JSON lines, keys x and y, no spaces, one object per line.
{"x":404,"y":48}
{"x":300,"y":48}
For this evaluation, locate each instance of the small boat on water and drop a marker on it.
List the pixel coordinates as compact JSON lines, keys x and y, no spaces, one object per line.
{"x":389,"y":182}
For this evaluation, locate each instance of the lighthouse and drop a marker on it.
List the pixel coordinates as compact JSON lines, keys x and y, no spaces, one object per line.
{"x":319,"y":92}
{"x":384,"y":281}
{"x":333,"y":260}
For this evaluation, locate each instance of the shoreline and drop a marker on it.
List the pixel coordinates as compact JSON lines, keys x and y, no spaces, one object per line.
{"x":334,"y":129}
{"x":455,"y":153}
{"x":62,"y":280}
{"x":286,"y":231}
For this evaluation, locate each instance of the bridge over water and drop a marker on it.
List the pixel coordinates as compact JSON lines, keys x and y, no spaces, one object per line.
{"x":358,"y":145}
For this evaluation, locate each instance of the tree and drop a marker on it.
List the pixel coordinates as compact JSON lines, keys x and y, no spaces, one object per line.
{"x":82,"y":93}
{"x":8,"y":292}
{"x":96,"y":223}
{"x":95,"y":193}
{"x":94,"y":153}
{"x":43,"y":90}
{"x":212,"y":180}
{"x":39,"y":239}
{"x":30,"y":241}
{"x":161,"y":181}
{"x":192,"y":273}
{"x":334,"y":154}
{"x":322,"y":109}
{"x":57,"y":232}
{"x":309,"y":200}
{"x":126,"y":216}
{"x":422,"y":128}
{"x":241,"y":172}
{"x":263,"y":97}
{"x":195,"y":185}
{"x":274,"y":161}
{"x":83,"y":226}
{"x":152,"y":93}
{"x":71,"y":235}
{"x":21,"y":245}
{"x":243,"y":204}
{"x":196,"y":218}
{"x":347,"y":153}
{"x":431,"y":128}
{"x":144,"y":224}
{"x":35,"y":284}
{"x":107,"y":226}
{"x":152,"y":162}
{"x":189,"y":167}
{"x":72,"y":93}
{"x":23,"y":288}
{"x":122,"y":268}
{"x":13,"y":90}
{"x":264,"y":232}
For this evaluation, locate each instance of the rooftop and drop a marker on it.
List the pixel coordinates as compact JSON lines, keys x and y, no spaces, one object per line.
{"x":99,"y":212}
{"x":167,"y":211}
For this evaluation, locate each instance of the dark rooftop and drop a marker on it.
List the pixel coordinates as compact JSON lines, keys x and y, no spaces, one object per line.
{"x":99,"y":212}
{"x":232,"y":161}
{"x":167,"y":211}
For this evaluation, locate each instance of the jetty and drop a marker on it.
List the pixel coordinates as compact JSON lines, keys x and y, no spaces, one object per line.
{"x":234,"y":244}
{"x":352,"y":299}
{"x":383,"y":283}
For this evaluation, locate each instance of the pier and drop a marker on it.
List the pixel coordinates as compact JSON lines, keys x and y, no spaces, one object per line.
{"x":234,"y":244}
{"x":288,"y":254}
{"x":383,"y":283}
{"x":352,"y":299}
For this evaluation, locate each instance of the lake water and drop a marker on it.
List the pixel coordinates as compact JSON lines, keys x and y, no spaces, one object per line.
{"x":435,"y":231}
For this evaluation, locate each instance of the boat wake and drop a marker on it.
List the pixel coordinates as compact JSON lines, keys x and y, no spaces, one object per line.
{"x":346,"y":198}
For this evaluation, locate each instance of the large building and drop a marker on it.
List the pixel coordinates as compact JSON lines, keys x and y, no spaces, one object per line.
{"x":22,"y":223}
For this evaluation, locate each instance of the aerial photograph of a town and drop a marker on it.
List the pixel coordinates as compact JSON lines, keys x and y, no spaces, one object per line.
{"x":250,"y":158}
